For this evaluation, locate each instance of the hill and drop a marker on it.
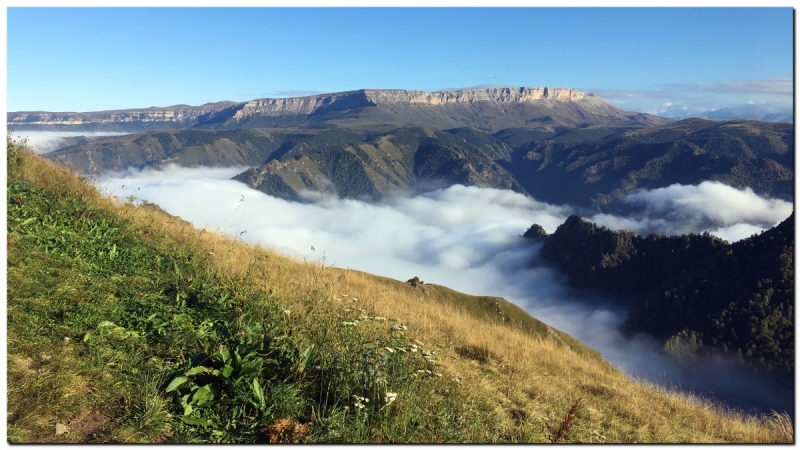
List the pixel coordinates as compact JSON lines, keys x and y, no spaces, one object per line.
{"x":695,"y":293}
{"x":596,"y":166}
{"x":589,"y":167}
{"x":126,"y":325}
{"x":485,"y":109}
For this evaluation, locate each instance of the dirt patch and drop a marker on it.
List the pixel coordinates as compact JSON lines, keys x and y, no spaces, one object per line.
{"x":86,"y":428}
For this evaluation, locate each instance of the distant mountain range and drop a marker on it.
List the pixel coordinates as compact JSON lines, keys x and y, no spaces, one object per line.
{"x":695,"y":292}
{"x":559,"y":145}
{"x":484,"y":109}
{"x":765,"y":113}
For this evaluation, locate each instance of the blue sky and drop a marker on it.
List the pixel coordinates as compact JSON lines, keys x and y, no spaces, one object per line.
{"x":89,"y":59}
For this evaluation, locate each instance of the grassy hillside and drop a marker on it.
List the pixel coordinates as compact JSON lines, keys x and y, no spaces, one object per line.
{"x":127,"y":325}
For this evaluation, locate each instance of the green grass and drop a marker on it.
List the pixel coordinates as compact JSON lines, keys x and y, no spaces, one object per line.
{"x":107,"y":316}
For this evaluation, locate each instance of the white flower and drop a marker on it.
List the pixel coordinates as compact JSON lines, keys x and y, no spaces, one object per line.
{"x":287,"y":311}
{"x":389,"y":398}
{"x":389,"y":349}
{"x":419,"y":343}
{"x":379,"y":319}
{"x":349,"y":324}
{"x":359,"y":401}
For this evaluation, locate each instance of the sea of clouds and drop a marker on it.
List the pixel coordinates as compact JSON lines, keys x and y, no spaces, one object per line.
{"x":469,"y":239}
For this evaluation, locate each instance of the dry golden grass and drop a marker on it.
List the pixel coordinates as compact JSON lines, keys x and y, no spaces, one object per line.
{"x":531,"y":381}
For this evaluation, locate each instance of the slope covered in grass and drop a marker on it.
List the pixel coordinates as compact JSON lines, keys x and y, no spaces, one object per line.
{"x":125,"y":324}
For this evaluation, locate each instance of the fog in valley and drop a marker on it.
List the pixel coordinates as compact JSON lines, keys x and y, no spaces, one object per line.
{"x":469,"y":239}
{"x":43,"y":142}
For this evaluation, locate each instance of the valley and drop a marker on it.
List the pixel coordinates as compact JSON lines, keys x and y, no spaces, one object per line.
{"x":441,"y":185}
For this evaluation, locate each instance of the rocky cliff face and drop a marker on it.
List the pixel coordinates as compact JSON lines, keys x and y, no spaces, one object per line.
{"x":445,"y":109}
{"x":500,"y":95}
{"x":387,"y":97}
{"x":177,"y":116}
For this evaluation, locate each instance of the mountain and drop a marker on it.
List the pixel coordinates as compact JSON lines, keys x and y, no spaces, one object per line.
{"x":132,"y":120}
{"x":486,"y":109}
{"x":586,"y":166}
{"x":764,"y":112}
{"x":408,"y":158}
{"x":595,"y":166}
{"x":696,"y":292}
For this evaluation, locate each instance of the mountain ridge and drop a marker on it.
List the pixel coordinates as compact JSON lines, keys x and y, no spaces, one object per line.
{"x":450,"y":108}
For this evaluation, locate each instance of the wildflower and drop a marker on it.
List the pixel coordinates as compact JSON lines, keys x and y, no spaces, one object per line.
{"x":349,"y":324}
{"x":244,"y":334}
{"x":389,"y":349}
{"x":222,"y":347}
{"x":287,"y":311}
{"x":379,"y":319}
{"x":359,"y":401}
{"x":421,"y":371}
{"x":438,"y":375}
{"x":419,"y":343}
{"x":210,"y":253}
{"x":389,"y":398}
{"x":399,"y":328}
{"x":241,"y":317}
{"x":354,"y":299}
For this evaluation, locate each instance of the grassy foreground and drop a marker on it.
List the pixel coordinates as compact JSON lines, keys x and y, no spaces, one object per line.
{"x":126,"y":325}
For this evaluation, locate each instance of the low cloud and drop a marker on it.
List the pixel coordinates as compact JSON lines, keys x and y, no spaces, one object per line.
{"x":47,"y":141}
{"x":466,"y":238}
{"x":727,"y":212}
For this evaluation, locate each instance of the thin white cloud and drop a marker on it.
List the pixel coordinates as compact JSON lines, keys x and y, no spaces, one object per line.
{"x":780,"y":86}
{"x":681,"y":100}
